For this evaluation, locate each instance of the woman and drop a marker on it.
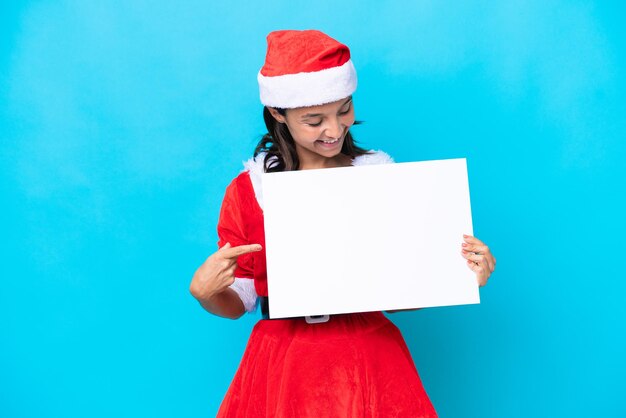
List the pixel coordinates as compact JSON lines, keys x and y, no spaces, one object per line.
{"x":354,"y":365}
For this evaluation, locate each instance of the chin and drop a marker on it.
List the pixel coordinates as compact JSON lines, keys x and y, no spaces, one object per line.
{"x":330,"y":151}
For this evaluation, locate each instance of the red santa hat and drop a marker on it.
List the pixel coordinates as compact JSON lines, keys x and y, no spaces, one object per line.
{"x":305,"y":68}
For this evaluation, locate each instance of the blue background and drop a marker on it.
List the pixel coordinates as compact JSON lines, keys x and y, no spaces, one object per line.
{"x":122,"y":123}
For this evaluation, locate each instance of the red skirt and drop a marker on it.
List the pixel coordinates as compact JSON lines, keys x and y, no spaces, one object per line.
{"x":355,"y":365}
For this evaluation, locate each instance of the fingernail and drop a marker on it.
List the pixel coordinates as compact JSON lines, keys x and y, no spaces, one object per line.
{"x":464,"y":245}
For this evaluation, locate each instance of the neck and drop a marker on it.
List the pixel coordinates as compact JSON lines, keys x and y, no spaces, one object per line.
{"x":311,"y":162}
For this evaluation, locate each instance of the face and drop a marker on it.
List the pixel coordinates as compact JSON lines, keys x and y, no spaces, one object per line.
{"x":318,"y":131}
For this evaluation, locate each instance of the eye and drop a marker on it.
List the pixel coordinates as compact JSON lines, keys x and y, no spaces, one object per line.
{"x":345,"y":112}
{"x":315,"y":124}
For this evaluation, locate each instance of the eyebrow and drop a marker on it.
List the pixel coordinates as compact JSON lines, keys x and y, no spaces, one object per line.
{"x":312,"y":115}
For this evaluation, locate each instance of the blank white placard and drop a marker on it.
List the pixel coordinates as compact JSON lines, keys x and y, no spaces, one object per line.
{"x":367,"y":238}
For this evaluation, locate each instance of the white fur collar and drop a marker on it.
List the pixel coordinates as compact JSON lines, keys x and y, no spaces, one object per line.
{"x":376,"y":157}
{"x":256,"y":168}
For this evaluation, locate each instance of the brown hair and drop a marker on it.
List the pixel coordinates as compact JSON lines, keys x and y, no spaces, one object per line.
{"x":280,"y":148}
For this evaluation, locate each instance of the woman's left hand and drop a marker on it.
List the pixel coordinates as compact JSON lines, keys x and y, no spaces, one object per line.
{"x":479,"y":258}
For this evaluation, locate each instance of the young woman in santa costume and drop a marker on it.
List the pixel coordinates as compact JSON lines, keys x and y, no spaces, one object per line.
{"x":353,"y":365}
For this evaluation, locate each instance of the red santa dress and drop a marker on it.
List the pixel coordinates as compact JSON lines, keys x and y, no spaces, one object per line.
{"x":354,"y":365}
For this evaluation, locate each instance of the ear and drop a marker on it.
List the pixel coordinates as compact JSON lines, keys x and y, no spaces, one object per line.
{"x":279,"y":118}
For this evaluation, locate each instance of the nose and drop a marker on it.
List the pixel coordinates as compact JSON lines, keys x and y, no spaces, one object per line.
{"x":334,"y":128}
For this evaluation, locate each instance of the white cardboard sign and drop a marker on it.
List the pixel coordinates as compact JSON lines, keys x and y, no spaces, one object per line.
{"x":367,"y":238}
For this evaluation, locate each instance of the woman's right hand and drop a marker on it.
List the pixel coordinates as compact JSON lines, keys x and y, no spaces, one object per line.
{"x":218,"y":271}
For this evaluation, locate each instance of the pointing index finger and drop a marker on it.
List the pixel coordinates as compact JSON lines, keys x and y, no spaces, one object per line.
{"x":234,"y":252}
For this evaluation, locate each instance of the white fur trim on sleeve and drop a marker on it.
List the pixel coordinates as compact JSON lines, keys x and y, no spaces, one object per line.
{"x":376,"y":157}
{"x":246,"y":291}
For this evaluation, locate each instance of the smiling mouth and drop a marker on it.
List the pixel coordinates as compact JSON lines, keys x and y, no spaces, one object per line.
{"x":331,"y":142}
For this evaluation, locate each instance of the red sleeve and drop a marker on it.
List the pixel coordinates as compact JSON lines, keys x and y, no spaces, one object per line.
{"x":231,"y":228}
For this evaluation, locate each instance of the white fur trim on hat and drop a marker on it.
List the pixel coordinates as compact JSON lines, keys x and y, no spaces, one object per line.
{"x":308,"y":89}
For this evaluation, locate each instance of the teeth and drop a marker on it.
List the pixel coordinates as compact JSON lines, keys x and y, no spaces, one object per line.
{"x":330,"y":142}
